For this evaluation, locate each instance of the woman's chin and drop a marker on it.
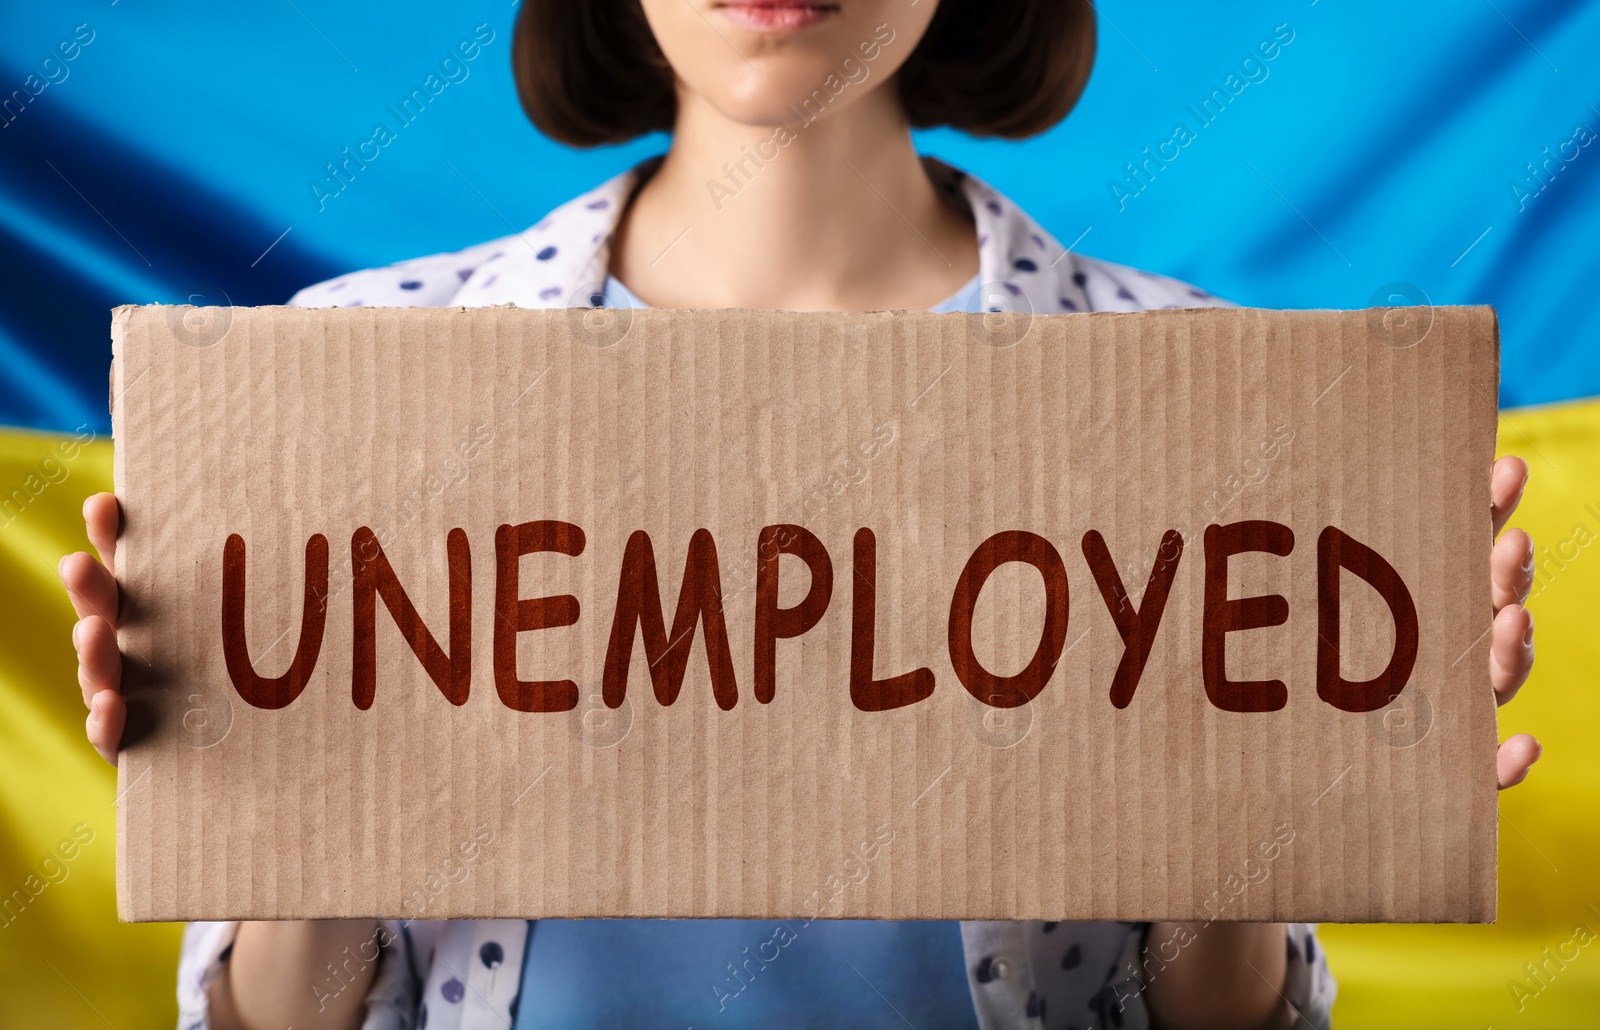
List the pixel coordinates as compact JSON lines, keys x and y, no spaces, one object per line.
{"x":767,"y":113}
{"x":770,"y":97}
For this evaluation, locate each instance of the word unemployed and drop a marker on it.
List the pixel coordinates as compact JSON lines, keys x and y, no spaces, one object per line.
{"x":639,"y":610}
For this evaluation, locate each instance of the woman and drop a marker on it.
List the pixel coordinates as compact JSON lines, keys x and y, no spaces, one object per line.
{"x":791,"y":183}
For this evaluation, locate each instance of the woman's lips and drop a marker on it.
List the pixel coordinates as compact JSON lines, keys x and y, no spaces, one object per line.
{"x":775,"y":15}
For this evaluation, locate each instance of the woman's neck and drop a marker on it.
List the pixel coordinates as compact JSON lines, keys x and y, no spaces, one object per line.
{"x":835,"y":215}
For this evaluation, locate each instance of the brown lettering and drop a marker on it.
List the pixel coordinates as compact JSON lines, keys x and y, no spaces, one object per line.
{"x":639,"y":606}
{"x":276,"y":692}
{"x":1009,"y":546}
{"x":868,"y":694}
{"x":514,"y":614}
{"x":1223,"y":616}
{"x":1137,"y":626}
{"x":1335,"y":550}
{"x":773,"y":622}
{"x":451,"y":673}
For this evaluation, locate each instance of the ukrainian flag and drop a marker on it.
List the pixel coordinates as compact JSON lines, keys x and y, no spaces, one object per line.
{"x":1436,"y":152}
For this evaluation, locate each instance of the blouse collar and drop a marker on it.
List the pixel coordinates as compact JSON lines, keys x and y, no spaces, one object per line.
{"x":562,"y":260}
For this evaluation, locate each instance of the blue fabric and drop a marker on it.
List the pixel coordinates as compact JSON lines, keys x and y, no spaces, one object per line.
{"x":735,"y":973}
{"x":723,"y":974}
{"x":1385,"y":143}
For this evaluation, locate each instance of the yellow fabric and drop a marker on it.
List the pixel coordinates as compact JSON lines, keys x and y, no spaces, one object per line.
{"x":66,"y":961}
{"x":1460,"y":976}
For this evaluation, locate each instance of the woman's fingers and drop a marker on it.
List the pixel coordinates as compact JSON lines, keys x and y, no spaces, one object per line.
{"x":1511,"y":568}
{"x":107,"y":715}
{"x":1514,"y":759}
{"x":100,"y":677}
{"x":99,"y":661}
{"x":90,"y":586}
{"x":102,"y":517}
{"x":1506,"y":482}
{"x":1510,"y":651}
{"x":1511,"y":643}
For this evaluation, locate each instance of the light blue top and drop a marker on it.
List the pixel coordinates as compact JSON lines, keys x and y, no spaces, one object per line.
{"x":964,"y":299}
{"x":723,"y":974}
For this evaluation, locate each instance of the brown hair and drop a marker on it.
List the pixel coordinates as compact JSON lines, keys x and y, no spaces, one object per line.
{"x":590,"y":72}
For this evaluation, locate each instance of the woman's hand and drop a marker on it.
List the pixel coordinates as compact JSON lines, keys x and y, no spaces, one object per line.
{"x":264,"y":983}
{"x":92,"y":586}
{"x":1230,"y":976}
{"x":279,"y":975}
{"x":1209,"y":985}
{"x":1511,"y":643}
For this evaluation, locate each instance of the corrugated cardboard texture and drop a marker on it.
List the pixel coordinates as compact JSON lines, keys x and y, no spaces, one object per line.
{"x":392,"y":428}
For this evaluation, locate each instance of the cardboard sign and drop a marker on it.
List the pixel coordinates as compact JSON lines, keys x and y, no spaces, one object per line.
{"x":447,"y":613}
